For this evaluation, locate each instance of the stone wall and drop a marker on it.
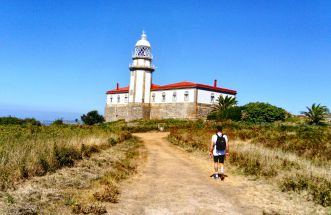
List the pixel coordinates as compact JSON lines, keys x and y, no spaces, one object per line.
{"x":116,"y":112}
{"x":131,"y":112}
{"x":203,"y":110}
{"x":127,"y":112}
{"x":173,"y":110}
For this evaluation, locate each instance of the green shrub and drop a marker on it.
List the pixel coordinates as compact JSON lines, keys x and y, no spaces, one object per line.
{"x":10,"y":121}
{"x":16,"y":121}
{"x":31,"y":121}
{"x":45,"y":166}
{"x":232,"y":113}
{"x":318,"y":188}
{"x":66,"y":156}
{"x":92,"y":117}
{"x":58,"y":122}
{"x":213,"y":115}
{"x":87,"y":151}
{"x":258,"y":112}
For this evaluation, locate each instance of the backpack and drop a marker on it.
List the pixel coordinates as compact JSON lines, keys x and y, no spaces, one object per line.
{"x":220,"y":143}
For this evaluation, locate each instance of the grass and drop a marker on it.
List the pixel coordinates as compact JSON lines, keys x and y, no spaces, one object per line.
{"x":294,"y":158}
{"x":106,"y":188}
{"x":27,"y":151}
{"x":310,"y":142}
{"x":121,"y":170}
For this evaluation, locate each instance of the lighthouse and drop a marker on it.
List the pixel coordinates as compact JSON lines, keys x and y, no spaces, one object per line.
{"x":143,"y":99}
{"x":141,"y":71}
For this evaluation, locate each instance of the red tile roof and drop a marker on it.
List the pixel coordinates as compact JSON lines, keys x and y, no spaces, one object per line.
{"x":119,"y":90}
{"x":179,"y":85}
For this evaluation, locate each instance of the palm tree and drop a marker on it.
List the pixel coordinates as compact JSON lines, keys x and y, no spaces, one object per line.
{"x":224,"y":103}
{"x":316,"y":113}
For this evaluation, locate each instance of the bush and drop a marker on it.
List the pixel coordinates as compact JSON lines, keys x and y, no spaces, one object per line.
{"x":16,"y":121}
{"x":92,"y":117}
{"x":259,"y":112}
{"x":58,"y":122}
{"x":66,"y":156}
{"x":31,"y":121}
{"x":232,"y":113}
{"x":318,"y":188}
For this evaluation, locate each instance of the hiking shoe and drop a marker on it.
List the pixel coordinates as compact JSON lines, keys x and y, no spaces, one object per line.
{"x":222,"y":176}
{"x":216,"y":176}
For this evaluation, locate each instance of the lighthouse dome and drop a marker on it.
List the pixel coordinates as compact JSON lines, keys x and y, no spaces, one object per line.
{"x":142,"y":48}
{"x":143,"y":41}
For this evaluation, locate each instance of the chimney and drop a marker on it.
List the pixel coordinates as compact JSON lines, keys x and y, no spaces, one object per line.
{"x":215,"y":83}
{"x":117,"y":86}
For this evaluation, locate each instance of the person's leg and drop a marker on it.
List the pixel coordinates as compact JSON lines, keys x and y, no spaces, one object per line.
{"x":222,"y":158}
{"x":216,"y":167}
{"x":222,"y":168}
{"x":216,"y":158}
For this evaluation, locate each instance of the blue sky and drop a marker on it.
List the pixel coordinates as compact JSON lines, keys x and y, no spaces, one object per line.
{"x":58,"y":57}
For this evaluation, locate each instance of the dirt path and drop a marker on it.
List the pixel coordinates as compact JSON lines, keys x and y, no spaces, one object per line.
{"x":173,"y":182}
{"x":176,"y":182}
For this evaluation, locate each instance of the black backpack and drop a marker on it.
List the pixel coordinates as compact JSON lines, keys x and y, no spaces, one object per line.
{"x":220,"y":143}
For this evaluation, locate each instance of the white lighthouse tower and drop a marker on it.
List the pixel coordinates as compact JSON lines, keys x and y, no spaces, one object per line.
{"x":141,"y":72}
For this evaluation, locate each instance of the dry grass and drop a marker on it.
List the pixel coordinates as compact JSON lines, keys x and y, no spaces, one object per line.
{"x":290,"y":172}
{"x":88,"y":187}
{"x":35,"y":150}
{"x":285,"y":169}
{"x":106,"y":188}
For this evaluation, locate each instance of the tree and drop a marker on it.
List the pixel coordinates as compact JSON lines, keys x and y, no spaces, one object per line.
{"x":316,"y":114}
{"x":224,"y":103}
{"x":259,"y":112}
{"x":92,"y":117}
{"x":58,"y":122}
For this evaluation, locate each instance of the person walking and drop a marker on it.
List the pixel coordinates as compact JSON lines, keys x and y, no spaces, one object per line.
{"x":219,"y":149}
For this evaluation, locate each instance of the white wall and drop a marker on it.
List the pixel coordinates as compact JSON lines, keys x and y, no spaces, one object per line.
{"x":141,"y":62}
{"x":169,"y":96}
{"x":139,"y":85}
{"x":137,"y":80}
{"x":204,"y":96}
{"x":115,"y":101}
{"x":131,"y":87}
{"x":148,"y":85}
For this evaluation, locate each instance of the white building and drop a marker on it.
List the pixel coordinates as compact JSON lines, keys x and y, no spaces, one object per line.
{"x":143,"y":99}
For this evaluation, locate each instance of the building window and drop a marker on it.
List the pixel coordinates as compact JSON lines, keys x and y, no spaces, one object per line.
{"x":163,"y":97}
{"x":212,"y":97}
{"x":118,"y":99}
{"x":153,"y":97}
{"x":174,"y":97}
{"x":126,"y":98}
{"x":186,"y":96}
{"x":111,"y":99}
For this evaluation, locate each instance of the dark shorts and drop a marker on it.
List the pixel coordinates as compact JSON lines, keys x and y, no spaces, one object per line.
{"x":219,"y":158}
